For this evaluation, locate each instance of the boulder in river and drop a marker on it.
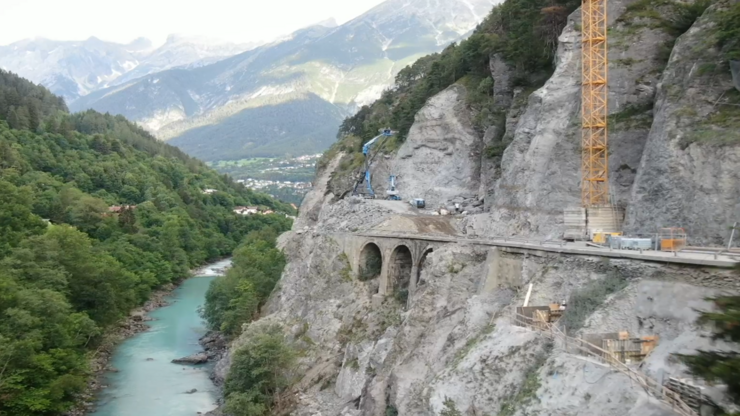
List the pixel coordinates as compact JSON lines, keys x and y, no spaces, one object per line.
{"x":191,"y":391}
{"x":199,"y":358}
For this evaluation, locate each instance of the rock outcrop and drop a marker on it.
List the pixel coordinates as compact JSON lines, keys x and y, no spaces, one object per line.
{"x":440,"y":159}
{"x":690,"y":170}
{"x":539,"y":173}
{"x":194,"y":359}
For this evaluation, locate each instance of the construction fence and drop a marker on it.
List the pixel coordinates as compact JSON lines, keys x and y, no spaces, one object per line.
{"x":581,"y":346}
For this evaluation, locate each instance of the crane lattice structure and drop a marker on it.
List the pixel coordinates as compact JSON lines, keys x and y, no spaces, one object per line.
{"x":595,"y":157}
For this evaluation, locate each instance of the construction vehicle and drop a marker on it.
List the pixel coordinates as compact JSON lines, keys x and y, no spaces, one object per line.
{"x":392,"y":192}
{"x":366,"y":176}
{"x":418,"y":203}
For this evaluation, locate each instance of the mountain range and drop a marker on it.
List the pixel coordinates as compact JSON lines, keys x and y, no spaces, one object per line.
{"x":286,"y":97}
{"x":73,"y":69}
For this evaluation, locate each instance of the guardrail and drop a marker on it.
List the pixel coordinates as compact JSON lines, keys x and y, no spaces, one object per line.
{"x":652,"y":387}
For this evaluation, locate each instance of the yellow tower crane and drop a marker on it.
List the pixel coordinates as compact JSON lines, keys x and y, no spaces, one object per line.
{"x":594,"y":108}
{"x":596,"y":217}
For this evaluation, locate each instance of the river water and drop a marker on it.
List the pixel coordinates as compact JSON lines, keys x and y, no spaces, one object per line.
{"x":147,"y":383}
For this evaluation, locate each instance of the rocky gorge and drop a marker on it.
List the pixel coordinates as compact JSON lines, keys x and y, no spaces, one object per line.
{"x":452,"y":347}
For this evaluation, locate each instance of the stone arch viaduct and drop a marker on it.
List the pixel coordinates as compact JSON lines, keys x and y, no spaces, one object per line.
{"x":397,"y":260}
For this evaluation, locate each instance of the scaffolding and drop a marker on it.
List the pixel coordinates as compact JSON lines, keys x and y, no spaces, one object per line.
{"x":629,"y":350}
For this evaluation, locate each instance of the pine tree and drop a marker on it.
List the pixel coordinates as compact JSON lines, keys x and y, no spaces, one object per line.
{"x":16,"y":119}
{"x":34,"y":119}
{"x":720,"y":366}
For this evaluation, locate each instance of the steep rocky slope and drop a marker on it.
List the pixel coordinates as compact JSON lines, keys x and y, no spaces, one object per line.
{"x":688,"y":175}
{"x":672,"y":142}
{"x":452,"y":347}
{"x":453,"y":344}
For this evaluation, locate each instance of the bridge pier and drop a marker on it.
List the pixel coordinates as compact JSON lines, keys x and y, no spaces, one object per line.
{"x":414,"y":279}
{"x":401,"y":259}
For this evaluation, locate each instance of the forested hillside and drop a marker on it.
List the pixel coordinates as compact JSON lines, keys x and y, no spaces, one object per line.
{"x":94,"y":214}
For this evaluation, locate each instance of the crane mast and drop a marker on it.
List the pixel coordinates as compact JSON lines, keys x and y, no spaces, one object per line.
{"x":594,"y":106}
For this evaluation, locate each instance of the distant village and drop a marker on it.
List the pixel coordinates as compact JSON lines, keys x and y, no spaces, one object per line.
{"x":259,"y":184}
{"x":240,"y":210}
{"x":246,"y":211}
{"x":252,"y":211}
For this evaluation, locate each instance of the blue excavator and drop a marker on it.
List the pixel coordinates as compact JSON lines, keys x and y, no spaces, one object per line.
{"x":367,"y":176}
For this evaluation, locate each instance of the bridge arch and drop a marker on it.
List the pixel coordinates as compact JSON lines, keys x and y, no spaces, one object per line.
{"x":401,"y":267}
{"x":371,"y":262}
{"x":422,"y":265}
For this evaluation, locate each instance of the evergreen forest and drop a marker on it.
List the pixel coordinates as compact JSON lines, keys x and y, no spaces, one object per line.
{"x":94,"y":215}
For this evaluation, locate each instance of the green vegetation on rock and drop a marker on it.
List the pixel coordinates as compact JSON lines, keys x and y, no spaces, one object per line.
{"x":450,"y":408}
{"x":720,"y":366}
{"x":586,"y":300}
{"x":729,"y":31}
{"x":674,"y":17}
{"x":124,"y":214}
{"x":235,"y":299}
{"x":260,"y":372}
{"x":528,"y":390}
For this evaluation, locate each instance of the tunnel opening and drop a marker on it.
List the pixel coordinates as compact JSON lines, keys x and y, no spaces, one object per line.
{"x":371,"y":262}
{"x":402,"y":264}
{"x":422,"y":266}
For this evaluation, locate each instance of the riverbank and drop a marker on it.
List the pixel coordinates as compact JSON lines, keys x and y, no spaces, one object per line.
{"x":132,"y":325}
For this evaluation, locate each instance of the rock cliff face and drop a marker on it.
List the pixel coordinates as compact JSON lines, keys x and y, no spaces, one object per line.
{"x":452,"y":346}
{"x":690,"y":170}
{"x":539,"y":173}
{"x":441,"y":158}
{"x":673,"y":157}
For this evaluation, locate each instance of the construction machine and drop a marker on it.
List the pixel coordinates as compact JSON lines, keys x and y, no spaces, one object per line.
{"x":418,"y":203}
{"x":392,"y":192}
{"x":366,"y":175}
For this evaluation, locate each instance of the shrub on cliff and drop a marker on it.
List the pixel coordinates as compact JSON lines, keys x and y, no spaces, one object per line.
{"x":260,"y":372}
{"x":586,"y":300}
{"x":720,"y":366}
{"x":234,"y":299}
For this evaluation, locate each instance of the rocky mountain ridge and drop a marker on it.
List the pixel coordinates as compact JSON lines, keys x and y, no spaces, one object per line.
{"x":452,"y":346}
{"x":320,"y":75}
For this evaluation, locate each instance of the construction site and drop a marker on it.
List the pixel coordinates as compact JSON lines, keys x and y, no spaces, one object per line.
{"x":562,"y":276}
{"x":596,"y":228}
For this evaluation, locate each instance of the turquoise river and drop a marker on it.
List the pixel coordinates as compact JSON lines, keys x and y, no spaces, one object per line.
{"x":147,"y":383}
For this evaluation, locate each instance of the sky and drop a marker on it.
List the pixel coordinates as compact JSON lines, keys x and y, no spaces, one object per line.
{"x":125,"y":20}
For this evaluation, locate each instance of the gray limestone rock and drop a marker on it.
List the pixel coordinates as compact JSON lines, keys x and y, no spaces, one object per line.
{"x":689,"y":173}
{"x":194,"y":359}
